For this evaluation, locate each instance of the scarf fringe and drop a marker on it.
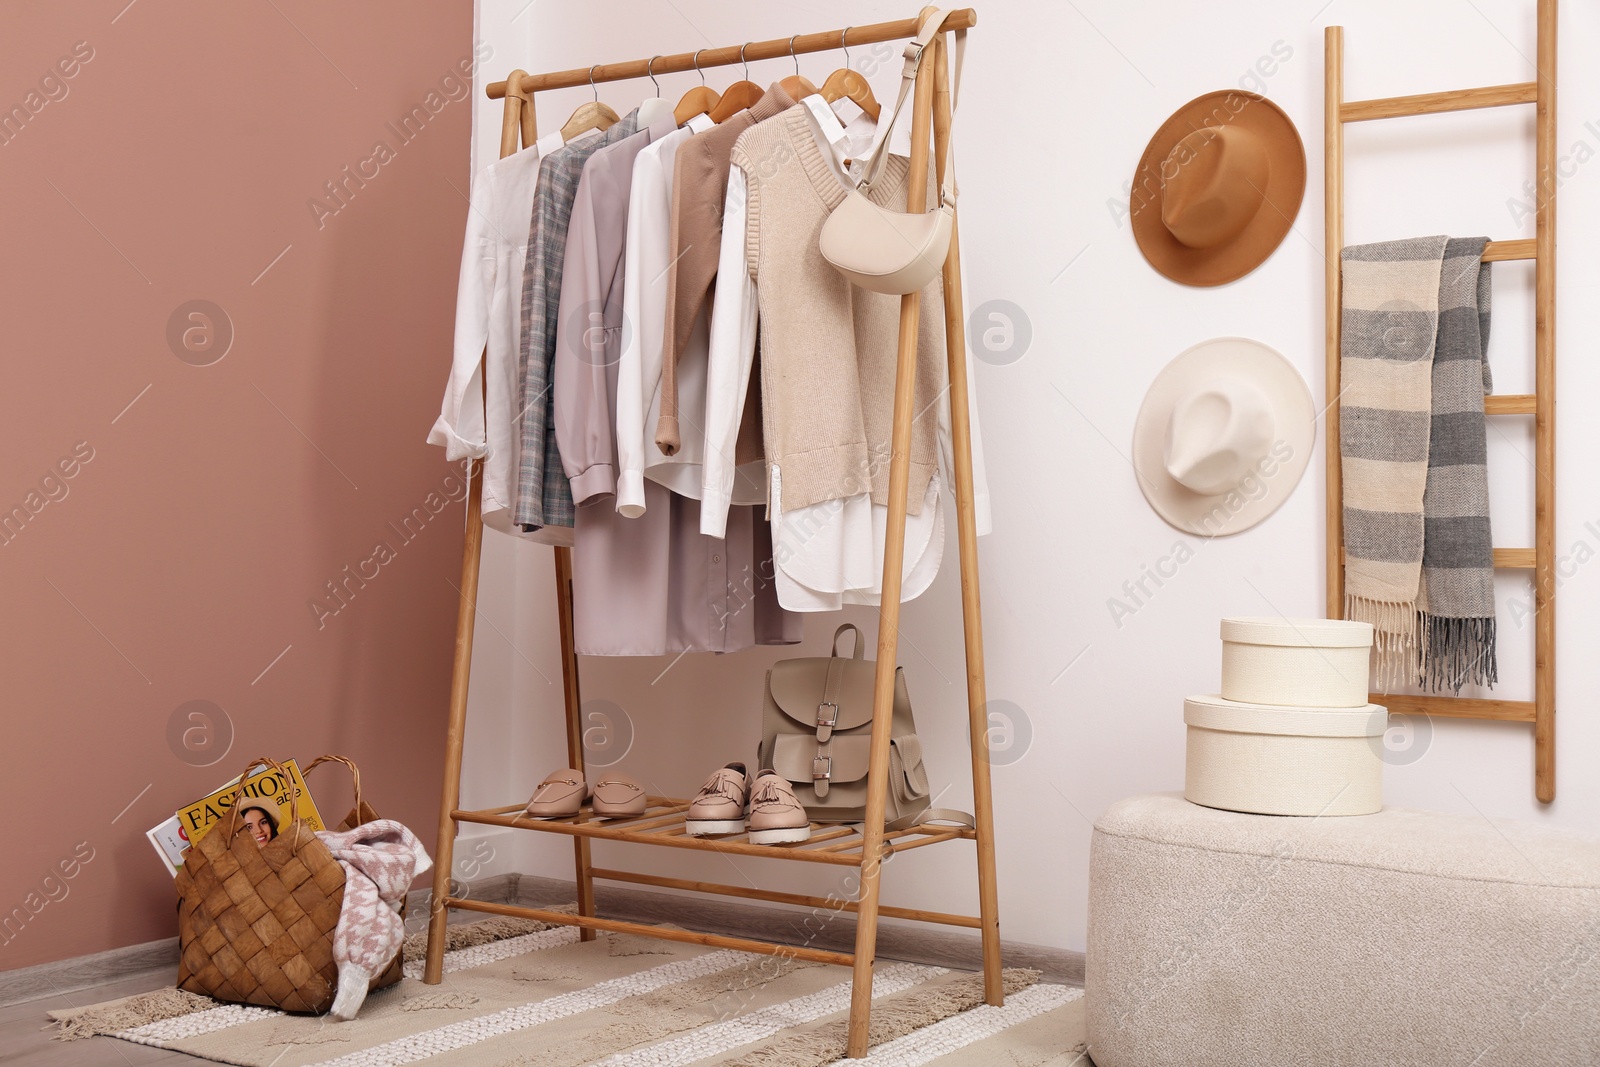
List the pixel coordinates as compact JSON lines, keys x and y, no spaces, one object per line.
{"x":1456,"y":651}
{"x":1396,"y":637}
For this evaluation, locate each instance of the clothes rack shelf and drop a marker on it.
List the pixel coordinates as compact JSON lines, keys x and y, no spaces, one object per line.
{"x":1541,"y":403}
{"x":863,"y":848}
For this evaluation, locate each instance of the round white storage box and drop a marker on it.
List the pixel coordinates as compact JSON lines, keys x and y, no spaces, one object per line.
{"x":1303,"y":663}
{"x":1284,"y":761}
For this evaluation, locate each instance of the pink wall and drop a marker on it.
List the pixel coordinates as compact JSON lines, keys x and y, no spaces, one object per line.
{"x":179,"y":521}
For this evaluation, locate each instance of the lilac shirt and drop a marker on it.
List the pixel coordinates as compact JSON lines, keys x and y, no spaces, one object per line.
{"x":652,"y":585}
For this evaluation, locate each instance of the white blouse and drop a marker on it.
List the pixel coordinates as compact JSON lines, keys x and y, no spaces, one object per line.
{"x":476,"y":417}
{"x":645,"y":292}
{"x":829,"y":554}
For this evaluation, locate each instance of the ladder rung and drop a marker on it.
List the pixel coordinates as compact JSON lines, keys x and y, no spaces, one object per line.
{"x":1507,"y":558}
{"x":1389,"y":107}
{"x":1509,"y":404}
{"x":1455,"y":707}
{"x":1500,"y":251}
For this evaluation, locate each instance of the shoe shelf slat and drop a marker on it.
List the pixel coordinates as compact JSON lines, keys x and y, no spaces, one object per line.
{"x":664,"y":823}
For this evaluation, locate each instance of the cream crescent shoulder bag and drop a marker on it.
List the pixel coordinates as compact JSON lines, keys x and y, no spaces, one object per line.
{"x":876,"y":247}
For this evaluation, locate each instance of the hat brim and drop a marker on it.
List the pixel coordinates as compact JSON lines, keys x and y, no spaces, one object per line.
{"x":1262,"y":491}
{"x":1286,"y":187}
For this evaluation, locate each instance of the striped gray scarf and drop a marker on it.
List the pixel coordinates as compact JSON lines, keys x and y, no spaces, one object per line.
{"x":1419,"y":562}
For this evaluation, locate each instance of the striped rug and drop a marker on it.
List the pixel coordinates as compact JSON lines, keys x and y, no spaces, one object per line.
{"x":545,"y":999}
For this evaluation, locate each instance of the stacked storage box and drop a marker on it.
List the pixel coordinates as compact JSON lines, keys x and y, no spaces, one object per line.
{"x":1291,"y":733}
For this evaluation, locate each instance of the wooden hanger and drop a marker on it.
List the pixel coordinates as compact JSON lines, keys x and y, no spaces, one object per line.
{"x":847,"y":82}
{"x":590,"y":116}
{"x":739,"y":95}
{"x":697,"y":101}
{"x":796,"y":84}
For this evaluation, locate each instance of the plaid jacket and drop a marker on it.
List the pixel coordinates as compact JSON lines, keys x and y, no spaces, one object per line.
{"x":544,"y":498}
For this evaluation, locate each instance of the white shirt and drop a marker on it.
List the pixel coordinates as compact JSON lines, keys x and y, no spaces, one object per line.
{"x":476,"y":421}
{"x":645,"y":292}
{"x":831,"y":553}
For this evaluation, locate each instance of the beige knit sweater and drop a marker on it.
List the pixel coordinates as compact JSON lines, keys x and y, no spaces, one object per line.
{"x":828,"y":348}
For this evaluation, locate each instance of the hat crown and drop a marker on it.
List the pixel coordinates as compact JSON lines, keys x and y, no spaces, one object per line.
{"x":1217,"y":433}
{"x":1213,"y":182}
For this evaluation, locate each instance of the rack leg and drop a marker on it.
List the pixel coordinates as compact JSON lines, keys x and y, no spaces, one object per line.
{"x":574,"y":703}
{"x":967,"y":528}
{"x":466,"y":617}
{"x":455,"y":731}
{"x":889,"y":614}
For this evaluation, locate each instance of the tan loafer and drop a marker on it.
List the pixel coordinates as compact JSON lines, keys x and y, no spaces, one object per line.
{"x":720,"y":805}
{"x":616,"y":796}
{"x":776,"y":814}
{"x":561,"y":794}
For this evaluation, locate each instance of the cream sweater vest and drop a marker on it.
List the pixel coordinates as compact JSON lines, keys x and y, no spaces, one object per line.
{"x":828,"y":348}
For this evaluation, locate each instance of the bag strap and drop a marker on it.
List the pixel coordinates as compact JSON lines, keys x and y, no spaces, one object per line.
{"x":355,"y":773}
{"x":840,"y":632}
{"x":940,"y":815}
{"x":908,"y":74}
{"x":927,"y":815}
{"x":827,"y":719}
{"x":238,"y":792}
{"x":828,"y":710}
{"x":908,"y":749}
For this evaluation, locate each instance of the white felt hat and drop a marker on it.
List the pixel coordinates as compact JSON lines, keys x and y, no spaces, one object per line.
{"x":1223,"y":436}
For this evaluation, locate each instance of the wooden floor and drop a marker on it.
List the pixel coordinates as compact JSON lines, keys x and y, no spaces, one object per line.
{"x":25,"y":1043}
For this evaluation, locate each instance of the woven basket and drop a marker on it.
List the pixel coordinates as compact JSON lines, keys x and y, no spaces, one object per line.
{"x":256,"y":923}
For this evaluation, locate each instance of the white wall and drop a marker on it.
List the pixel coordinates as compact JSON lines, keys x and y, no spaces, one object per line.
{"x":1058,"y":102}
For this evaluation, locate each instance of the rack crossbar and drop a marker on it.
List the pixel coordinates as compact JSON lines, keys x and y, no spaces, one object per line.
{"x":1394,"y":107}
{"x":663,"y":933}
{"x":778,"y":48}
{"x":801,"y":900}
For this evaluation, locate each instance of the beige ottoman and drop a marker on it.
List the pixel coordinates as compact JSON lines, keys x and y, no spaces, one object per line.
{"x":1402,"y":938}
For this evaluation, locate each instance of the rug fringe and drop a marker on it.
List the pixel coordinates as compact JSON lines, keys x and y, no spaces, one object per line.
{"x":127,"y":1013}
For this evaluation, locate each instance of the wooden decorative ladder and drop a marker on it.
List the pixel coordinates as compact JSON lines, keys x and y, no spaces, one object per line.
{"x":1541,"y":403}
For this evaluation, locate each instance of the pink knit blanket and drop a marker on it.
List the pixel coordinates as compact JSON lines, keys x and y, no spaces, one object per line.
{"x":380,"y":859}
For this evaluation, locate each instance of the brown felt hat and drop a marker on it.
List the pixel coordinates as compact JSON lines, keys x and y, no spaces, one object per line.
{"x":1218,"y":188}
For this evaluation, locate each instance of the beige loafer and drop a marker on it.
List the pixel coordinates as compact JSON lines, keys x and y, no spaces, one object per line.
{"x":561,"y":794}
{"x":776,"y":815}
{"x":719,"y":807}
{"x":616,"y":796}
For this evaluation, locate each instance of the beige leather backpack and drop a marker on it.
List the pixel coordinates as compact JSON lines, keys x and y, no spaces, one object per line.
{"x":817,"y":733}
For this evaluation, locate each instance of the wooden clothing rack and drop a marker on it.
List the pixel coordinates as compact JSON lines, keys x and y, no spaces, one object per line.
{"x":864,"y":847}
{"x":1541,"y":403}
